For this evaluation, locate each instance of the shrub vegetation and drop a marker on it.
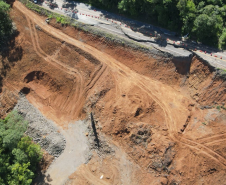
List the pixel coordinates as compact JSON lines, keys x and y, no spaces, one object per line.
{"x":19,"y":156}
{"x":5,"y":23}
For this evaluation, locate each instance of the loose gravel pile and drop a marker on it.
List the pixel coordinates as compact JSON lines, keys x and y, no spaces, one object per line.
{"x":42,"y":130}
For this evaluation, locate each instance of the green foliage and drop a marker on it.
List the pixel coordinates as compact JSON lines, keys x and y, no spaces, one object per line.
{"x":222,"y":40}
{"x":31,"y":150}
{"x":218,"y":107}
{"x":63,"y":20}
{"x":12,"y":129}
{"x":5,"y":23}
{"x":208,"y":28}
{"x":19,"y":156}
{"x":204,"y":20}
{"x":20,"y":174}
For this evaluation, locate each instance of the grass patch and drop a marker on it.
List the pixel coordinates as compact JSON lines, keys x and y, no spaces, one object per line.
{"x":219,"y":107}
{"x":204,"y":123}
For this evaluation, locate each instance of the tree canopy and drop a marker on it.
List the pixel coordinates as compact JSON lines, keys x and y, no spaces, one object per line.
{"x":204,"y":20}
{"x":19,"y":156}
{"x":5,"y":23}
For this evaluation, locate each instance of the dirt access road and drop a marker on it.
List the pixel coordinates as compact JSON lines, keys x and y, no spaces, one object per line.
{"x":153,"y":89}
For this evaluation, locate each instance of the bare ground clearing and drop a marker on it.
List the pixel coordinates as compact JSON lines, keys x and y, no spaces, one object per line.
{"x":164,"y":118}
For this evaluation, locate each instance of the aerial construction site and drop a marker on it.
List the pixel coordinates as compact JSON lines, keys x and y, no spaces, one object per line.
{"x":112,"y":111}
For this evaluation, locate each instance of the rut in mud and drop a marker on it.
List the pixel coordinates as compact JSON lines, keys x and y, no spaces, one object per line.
{"x":162,"y":114}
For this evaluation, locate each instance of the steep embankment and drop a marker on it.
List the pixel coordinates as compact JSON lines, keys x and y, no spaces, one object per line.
{"x":148,"y":105}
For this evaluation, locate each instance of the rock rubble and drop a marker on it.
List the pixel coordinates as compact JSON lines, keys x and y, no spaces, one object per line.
{"x":42,"y":130}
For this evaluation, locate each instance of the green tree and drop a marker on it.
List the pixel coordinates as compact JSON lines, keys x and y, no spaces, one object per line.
{"x":20,"y":174}
{"x":12,"y":129}
{"x":207,"y":29}
{"x":186,"y":16}
{"x":32,"y":150}
{"x":5,"y":23}
{"x":19,"y":155}
{"x":188,"y":12}
{"x":222,"y":40}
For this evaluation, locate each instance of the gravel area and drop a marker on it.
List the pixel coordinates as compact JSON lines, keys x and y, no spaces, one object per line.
{"x":83,"y":137}
{"x":42,"y":130}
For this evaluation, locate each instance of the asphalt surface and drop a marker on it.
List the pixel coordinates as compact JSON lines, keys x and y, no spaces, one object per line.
{"x":126,"y":27}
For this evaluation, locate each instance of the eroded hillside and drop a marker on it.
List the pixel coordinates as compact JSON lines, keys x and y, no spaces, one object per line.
{"x":162,"y":116}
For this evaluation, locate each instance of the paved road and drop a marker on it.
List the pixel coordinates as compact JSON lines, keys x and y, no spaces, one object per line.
{"x":119,"y":25}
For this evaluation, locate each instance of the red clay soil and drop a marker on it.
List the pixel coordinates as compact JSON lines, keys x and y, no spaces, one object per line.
{"x":153,"y":108}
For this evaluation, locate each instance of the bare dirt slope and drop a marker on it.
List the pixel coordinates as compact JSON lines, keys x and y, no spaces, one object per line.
{"x":162,"y":116}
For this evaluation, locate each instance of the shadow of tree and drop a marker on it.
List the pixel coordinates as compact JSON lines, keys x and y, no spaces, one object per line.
{"x":10,"y":53}
{"x":40,"y":179}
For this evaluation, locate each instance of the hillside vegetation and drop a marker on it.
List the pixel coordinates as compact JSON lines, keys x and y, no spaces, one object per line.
{"x":19,"y":156}
{"x":5,"y":23}
{"x":204,"y":20}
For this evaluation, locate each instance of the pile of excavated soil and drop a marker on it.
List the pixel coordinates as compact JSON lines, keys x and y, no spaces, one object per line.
{"x":161,"y":119}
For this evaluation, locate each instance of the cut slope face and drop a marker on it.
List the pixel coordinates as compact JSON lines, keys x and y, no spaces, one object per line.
{"x":146,"y":103}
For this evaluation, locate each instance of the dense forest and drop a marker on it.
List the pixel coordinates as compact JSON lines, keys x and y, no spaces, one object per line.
{"x":203,"y":20}
{"x":19,"y":155}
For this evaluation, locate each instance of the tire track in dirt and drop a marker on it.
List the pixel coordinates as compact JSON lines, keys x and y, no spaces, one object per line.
{"x":58,"y":50}
{"x":206,"y":140}
{"x":136,"y":78}
{"x":96,"y":77}
{"x":197,"y":146}
{"x":68,"y":68}
{"x":215,"y":141}
{"x":78,"y":96}
{"x":59,"y":65}
{"x":123,"y":73}
{"x":65,"y":68}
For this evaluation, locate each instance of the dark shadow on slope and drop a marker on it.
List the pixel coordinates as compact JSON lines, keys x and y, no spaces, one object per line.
{"x":94,"y":130}
{"x":40,"y":179}
{"x":10,"y":53}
